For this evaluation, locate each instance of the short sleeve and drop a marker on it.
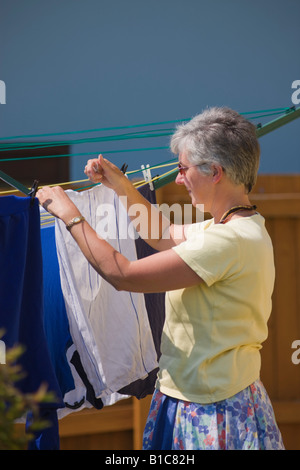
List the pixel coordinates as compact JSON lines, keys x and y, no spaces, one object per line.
{"x":213,"y":252}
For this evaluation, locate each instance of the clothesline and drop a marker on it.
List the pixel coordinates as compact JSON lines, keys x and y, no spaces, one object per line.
{"x":255,"y":115}
{"x":132,"y":172}
{"x":289,"y":115}
{"x":150,"y":133}
{"x":47,"y":218}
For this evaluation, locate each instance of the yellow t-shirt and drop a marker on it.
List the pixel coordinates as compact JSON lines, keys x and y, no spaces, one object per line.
{"x":213,"y":332}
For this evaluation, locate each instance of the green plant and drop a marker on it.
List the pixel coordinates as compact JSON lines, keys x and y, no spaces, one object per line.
{"x":14,"y":404}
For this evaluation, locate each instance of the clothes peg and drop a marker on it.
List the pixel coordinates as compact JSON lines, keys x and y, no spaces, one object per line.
{"x":147,"y":175}
{"x":33,"y":191}
{"x":124,"y":168}
{"x":19,"y":186}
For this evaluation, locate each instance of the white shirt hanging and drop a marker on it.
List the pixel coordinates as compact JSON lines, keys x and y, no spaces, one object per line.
{"x":110,"y":329}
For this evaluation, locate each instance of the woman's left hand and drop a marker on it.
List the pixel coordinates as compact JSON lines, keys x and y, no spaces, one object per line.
{"x":56,"y":201}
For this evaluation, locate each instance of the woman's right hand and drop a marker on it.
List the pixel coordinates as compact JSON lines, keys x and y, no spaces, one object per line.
{"x":100,"y":170}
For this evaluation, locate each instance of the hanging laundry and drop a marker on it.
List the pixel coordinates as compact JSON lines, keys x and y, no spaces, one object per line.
{"x":55,"y":317}
{"x":76,"y":390}
{"x":155,"y":305}
{"x":21,"y":305}
{"x":155,"y":302}
{"x":78,"y":393}
{"x":110,"y":329}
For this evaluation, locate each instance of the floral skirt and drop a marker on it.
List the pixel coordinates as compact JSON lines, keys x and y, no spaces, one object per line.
{"x":245,"y":421}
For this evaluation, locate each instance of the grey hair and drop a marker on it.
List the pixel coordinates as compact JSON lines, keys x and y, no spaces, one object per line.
{"x":222,"y":137}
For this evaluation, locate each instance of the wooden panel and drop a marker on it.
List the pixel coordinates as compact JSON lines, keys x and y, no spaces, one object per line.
{"x":288,"y":417}
{"x":287,"y":412}
{"x":116,"y":427}
{"x":285,"y":299}
{"x":91,"y":421}
{"x":45,"y":170}
{"x":117,"y":440}
{"x":275,"y":205}
{"x":277,"y":184}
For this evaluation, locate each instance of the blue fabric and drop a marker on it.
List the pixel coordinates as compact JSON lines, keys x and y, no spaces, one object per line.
{"x":55,"y":315}
{"x":21,"y":300}
{"x":163,"y":435}
{"x":57,"y":324}
{"x":48,"y":438}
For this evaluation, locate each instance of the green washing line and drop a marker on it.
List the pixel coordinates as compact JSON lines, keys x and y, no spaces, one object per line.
{"x":30,"y":136}
{"x":132,"y":135}
{"x":146,"y":134}
{"x":81,"y":154}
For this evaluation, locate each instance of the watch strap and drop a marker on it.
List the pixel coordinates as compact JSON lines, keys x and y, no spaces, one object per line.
{"x":76,"y":220}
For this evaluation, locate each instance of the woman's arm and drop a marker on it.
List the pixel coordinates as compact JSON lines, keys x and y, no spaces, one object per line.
{"x":149,"y":222}
{"x":157,"y":273}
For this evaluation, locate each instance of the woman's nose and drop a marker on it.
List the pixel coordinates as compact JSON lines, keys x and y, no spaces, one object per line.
{"x":179,"y":179}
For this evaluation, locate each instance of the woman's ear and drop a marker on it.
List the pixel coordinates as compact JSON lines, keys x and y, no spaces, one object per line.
{"x":217,"y":173}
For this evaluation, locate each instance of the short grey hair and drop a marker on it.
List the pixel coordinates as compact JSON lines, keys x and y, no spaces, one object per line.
{"x":223,"y":137}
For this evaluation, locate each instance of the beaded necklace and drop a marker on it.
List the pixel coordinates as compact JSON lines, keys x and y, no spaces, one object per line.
{"x":236,"y":209}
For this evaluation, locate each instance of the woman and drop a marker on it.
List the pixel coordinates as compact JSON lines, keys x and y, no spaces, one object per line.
{"x":218,"y":276}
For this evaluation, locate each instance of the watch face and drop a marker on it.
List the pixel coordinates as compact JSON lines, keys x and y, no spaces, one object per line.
{"x":74,"y":221}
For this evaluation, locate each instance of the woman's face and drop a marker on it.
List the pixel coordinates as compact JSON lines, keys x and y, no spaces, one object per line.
{"x":198,"y":185}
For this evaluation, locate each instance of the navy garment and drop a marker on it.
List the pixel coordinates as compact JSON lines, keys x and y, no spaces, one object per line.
{"x":21,"y":304}
{"x":155,"y":302}
{"x":55,"y":315}
{"x":56,"y":322}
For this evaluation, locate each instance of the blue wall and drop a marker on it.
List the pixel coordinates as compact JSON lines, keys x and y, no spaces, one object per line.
{"x":84,"y":64}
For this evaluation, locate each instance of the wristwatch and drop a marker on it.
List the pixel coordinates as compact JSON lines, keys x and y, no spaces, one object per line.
{"x":74,"y":221}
